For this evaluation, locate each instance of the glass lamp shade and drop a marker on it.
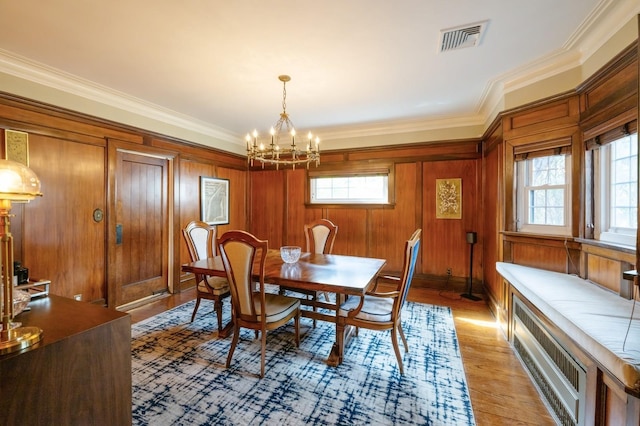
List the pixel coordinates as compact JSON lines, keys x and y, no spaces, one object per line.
{"x":18,"y":182}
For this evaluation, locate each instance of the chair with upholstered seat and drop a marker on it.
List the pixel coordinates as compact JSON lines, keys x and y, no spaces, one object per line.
{"x":381,"y":309}
{"x":201,"y":239}
{"x":319,"y":236}
{"x":251,"y":307}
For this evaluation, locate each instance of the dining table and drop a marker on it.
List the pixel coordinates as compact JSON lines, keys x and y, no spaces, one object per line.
{"x":343,"y":275}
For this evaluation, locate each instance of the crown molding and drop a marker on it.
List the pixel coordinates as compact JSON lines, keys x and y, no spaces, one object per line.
{"x":34,"y":72}
{"x":602,"y":24}
{"x":38,"y":73}
{"x":416,"y":125}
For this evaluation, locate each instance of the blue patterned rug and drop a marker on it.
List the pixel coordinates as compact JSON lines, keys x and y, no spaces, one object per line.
{"x":179,"y":376}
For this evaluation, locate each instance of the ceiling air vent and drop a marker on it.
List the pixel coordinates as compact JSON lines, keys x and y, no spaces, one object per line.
{"x":461,"y":37}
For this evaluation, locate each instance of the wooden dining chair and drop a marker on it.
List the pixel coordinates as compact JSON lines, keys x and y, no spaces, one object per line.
{"x":381,"y":309}
{"x":253,"y":308}
{"x":319,"y":236}
{"x":201,"y":239}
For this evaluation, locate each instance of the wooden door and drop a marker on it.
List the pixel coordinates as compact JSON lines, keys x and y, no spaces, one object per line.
{"x":141,"y":224}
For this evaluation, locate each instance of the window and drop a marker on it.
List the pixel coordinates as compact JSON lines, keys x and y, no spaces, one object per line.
{"x":543,"y":195}
{"x":616,"y":191}
{"x":368,"y":186}
{"x":354,"y":189}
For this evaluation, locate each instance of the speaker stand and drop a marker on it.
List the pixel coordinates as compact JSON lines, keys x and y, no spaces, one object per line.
{"x":471,"y":297}
{"x":469,"y":294}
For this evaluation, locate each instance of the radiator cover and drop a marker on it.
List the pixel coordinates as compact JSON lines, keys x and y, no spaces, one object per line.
{"x":560,"y":378}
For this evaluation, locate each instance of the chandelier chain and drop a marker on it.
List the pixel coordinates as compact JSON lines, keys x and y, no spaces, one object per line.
{"x":284,"y":97}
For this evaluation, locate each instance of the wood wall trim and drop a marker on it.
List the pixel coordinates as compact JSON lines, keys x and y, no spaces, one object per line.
{"x":539,"y":122}
{"x":50,"y":120}
{"x":628,"y":56}
{"x":493,"y":139}
{"x":610,"y":96}
{"x":426,"y":151}
{"x":542,"y":240}
{"x":606,"y":250}
{"x":201,"y":153}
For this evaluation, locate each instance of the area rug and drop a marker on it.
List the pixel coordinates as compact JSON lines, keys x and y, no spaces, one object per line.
{"x":179,"y":374}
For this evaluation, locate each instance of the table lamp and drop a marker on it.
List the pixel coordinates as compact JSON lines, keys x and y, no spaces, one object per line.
{"x":20,"y":184}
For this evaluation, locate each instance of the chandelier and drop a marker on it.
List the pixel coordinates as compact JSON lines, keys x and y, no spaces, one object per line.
{"x":306,"y":151}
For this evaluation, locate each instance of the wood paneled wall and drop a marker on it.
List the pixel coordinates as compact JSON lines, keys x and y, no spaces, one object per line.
{"x":191,"y":169}
{"x":60,"y":224}
{"x":268,"y":206}
{"x":492,"y":212}
{"x":190,"y":172}
{"x":608,"y":98}
{"x":278,"y":211}
{"x":390,"y":228}
{"x":56,"y":236}
{"x":445,"y":244}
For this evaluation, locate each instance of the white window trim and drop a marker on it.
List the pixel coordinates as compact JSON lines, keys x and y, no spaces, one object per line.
{"x":602,"y":197}
{"x":522,"y":205}
{"x":382,"y":200}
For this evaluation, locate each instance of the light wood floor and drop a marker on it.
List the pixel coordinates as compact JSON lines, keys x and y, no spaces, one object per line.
{"x":501,"y":391}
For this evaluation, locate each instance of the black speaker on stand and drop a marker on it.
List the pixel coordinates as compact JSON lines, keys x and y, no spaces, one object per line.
{"x":472,"y":238}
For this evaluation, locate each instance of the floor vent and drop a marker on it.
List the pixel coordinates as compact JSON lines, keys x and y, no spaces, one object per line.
{"x":560,"y":378}
{"x":461,"y":37}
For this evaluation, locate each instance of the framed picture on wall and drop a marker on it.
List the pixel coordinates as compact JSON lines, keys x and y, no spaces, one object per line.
{"x":16,"y":146}
{"x":214,"y":200}
{"x":449,"y":198}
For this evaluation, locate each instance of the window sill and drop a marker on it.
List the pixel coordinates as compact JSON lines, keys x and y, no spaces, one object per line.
{"x":623,"y":248}
{"x":537,"y":235}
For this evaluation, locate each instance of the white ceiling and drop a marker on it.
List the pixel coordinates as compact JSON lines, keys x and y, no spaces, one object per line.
{"x":353,"y":64}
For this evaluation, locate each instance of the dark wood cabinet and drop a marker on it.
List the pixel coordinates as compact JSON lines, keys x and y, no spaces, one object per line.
{"x":78,"y":374}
